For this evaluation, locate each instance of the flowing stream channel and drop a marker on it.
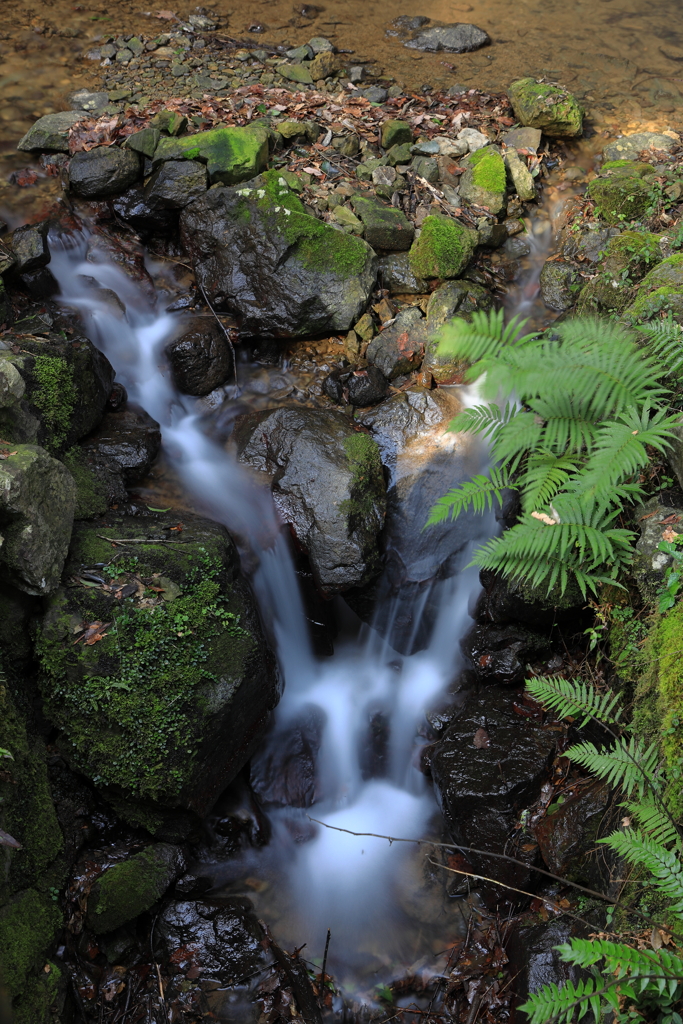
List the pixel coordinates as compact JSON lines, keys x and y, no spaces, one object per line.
{"x":309,"y":878}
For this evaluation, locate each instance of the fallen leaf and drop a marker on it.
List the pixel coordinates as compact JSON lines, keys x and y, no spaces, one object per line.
{"x":7,"y":840}
{"x":481,"y":739}
{"x":166,"y":15}
{"x":673,"y":518}
{"x":626,"y":822}
{"x":93,"y":633}
{"x":544,"y":519}
{"x":656,"y":939}
{"x":669,"y":535}
{"x":6,"y":455}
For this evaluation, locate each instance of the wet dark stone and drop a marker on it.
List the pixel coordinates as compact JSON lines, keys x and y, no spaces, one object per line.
{"x":200,"y":360}
{"x":534,"y":959}
{"x":118,"y":395}
{"x":217,"y":943}
{"x":501,"y":655}
{"x":284,"y":772}
{"x":396,"y":275}
{"x":490,"y":764}
{"x":30,"y":248}
{"x":175,"y":184}
{"x":503,"y":600}
{"x":400,"y":347}
{"x":411,"y":22}
{"x":133,"y":207}
{"x":130,"y":438}
{"x":40,"y":284}
{"x":103,"y":171}
{"x":356,"y":386}
{"x":458,"y":38}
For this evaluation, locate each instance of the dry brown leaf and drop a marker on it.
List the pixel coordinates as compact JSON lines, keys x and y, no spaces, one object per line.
{"x":669,"y":535}
{"x":481,"y":739}
{"x":7,"y":840}
{"x":166,"y":15}
{"x":673,"y":518}
{"x":544,"y":518}
{"x":93,"y":632}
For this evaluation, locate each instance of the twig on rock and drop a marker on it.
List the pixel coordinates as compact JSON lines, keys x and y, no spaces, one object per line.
{"x":224,"y":330}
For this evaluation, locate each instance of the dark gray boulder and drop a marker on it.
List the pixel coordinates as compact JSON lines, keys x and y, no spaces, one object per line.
{"x":30,"y":248}
{"x":327,"y":484}
{"x":130,"y":438}
{"x":103,"y":171}
{"x":400,"y":347}
{"x":501,"y":654}
{"x":360,"y":386}
{"x":459,"y":38}
{"x":396,"y":275}
{"x":255,"y":251}
{"x":176,"y":184}
{"x":200,"y":360}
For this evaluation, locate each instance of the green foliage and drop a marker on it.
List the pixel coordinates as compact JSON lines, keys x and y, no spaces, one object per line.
{"x":664,"y":340}
{"x":55,"y":397}
{"x":673,"y":576}
{"x":623,"y":981}
{"x":589,"y":405}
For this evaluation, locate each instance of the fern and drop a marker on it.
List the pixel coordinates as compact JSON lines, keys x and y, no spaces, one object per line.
{"x":581,"y":407}
{"x":664,"y":865}
{"x":575,"y":699}
{"x":664,"y":340}
{"x":629,"y":764}
{"x":655,"y":822}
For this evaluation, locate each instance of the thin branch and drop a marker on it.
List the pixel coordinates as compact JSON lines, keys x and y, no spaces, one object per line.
{"x":224,"y":330}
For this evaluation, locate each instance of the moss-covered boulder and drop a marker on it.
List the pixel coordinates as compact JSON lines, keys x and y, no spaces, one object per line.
{"x":52,"y":391}
{"x":632,"y":254}
{"x":98,"y":479}
{"x":256,"y":251}
{"x":396,"y":133}
{"x":484,"y":181}
{"x":444,"y":248}
{"x":454,"y":300}
{"x":125,"y":890}
{"x":547,"y":106}
{"x":159,"y":678}
{"x":560,"y":284}
{"x":37,"y":503}
{"x":335,"y":512}
{"x":620,"y":198}
{"x":231,"y":155}
{"x":385,"y":226}
{"x":636,"y":168}
{"x":661,"y":290}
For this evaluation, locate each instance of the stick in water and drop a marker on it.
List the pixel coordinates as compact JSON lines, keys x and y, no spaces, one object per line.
{"x":322,"y":976}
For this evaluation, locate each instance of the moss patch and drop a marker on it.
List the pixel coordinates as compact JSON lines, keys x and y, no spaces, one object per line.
{"x":443,"y":249}
{"x":231,"y":155}
{"x":546,"y":106}
{"x":55,"y":397}
{"x":621,"y":198}
{"x":127,"y":889}
{"x":40,"y":998}
{"x":635,"y":167}
{"x":28,"y":927}
{"x":367,"y":483}
{"x":91,"y":494}
{"x":488,"y":170}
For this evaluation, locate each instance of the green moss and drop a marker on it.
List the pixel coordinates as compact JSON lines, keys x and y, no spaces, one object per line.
{"x":127,"y":889}
{"x":91,"y":494}
{"x":55,"y":397}
{"x":131,"y":706}
{"x":40,"y":997}
{"x":547,"y":106}
{"x":231,"y":155}
{"x":488,"y":170}
{"x":635,"y":167}
{"x":28,"y":926}
{"x":367,"y":482}
{"x":661,"y":300}
{"x":443,"y":249}
{"x":621,"y":198}
{"x":633,"y":251}
{"x":625,"y":637}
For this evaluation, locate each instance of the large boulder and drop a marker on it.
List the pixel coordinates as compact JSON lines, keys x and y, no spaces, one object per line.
{"x":170,"y":637}
{"x":129,"y":438}
{"x":125,"y":890}
{"x":37,"y":503}
{"x":487,"y":767}
{"x":385,"y":226}
{"x":620,"y":198}
{"x":175,"y":184}
{"x":547,"y":106}
{"x":103,"y":171}
{"x":256,"y":251}
{"x":661,"y":290}
{"x":231,"y":154}
{"x":327,"y":484}
{"x":53,"y":391}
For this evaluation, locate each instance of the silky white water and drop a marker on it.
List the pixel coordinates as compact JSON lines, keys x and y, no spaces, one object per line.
{"x":335,"y":880}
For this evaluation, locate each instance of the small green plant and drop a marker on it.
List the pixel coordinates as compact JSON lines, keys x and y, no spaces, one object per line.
{"x":622,"y":981}
{"x":673,"y":578}
{"x":579,"y":408}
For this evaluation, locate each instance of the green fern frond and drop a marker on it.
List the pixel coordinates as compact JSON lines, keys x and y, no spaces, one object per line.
{"x":664,"y":340}
{"x":664,"y":865}
{"x":485,"y":420}
{"x":564,"y":433}
{"x":482,"y":338}
{"x":520,"y":434}
{"x":628,"y":763}
{"x":620,"y":449}
{"x":654,"y":822}
{"x":574,"y":698}
{"x":571,"y":1002}
{"x":478,"y":493}
{"x":621,"y":960}
{"x":544,"y":476}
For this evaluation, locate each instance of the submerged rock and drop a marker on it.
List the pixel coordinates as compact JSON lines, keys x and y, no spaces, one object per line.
{"x":629,"y":147}
{"x":37,"y":503}
{"x":200,"y":360}
{"x":458,"y":38}
{"x":327,"y":484}
{"x":127,"y":889}
{"x":547,"y":106}
{"x":256,"y":251}
{"x":177,"y":643}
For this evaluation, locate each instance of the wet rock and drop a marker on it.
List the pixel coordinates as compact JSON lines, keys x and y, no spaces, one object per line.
{"x":589,"y":242}
{"x":130,"y":438}
{"x":520,"y":175}
{"x":492,"y":235}
{"x":327,"y":484}
{"x":620,"y":198}
{"x":211,"y":683}
{"x":649,"y":564}
{"x":284,"y":773}
{"x":501,"y":655}
{"x":385,"y":226}
{"x":602,"y":296}
{"x":535,"y":960}
{"x":98,"y":479}
{"x":127,"y":889}
{"x":560,"y":283}
{"x":629,"y":147}
{"x":144,"y":142}
{"x":132,"y":206}
{"x":443,"y":249}
{"x":55,"y":390}
{"x":502,"y":601}
{"x":103,"y":171}
{"x":400,"y":347}
{"x":37,"y":503}
{"x":231,"y":155}
{"x":547,"y":106}
{"x":459,"y":38}
{"x":660,"y":290}
{"x":461,"y":297}
{"x":394,"y":133}
{"x":363,"y":386}
{"x":567,"y":835}
{"x":200,"y":360}
{"x":175,"y":184}
{"x":324,"y":65}
{"x":50,"y":133}
{"x":484,"y":779}
{"x":30,"y":248}
{"x":221,"y":944}
{"x":484,"y":181}
{"x":284,"y":272}
{"x":397,"y":277}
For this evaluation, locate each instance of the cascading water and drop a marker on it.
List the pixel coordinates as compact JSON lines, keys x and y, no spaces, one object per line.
{"x":323,"y":878}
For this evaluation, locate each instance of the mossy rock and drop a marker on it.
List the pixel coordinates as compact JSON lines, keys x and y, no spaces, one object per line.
{"x":127,"y":889}
{"x":231,"y":155}
{"x":27,"y":812}
{"x":634,"y":167}
{"x":603,"y":295}
{"x":484,"y":181}
{"x":98,"y":479}
{"x":621,"y":198}
{"x":167,"y":703}
{"x":661,"y":290}
{"x":53,"y":392}
{"x":42,"y":998}
{"x":632,"y":254}
{"x":444,"y":248}
{"x":28,"y":928}
{"x":547,"y":106}
{"x":396,"y":133}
